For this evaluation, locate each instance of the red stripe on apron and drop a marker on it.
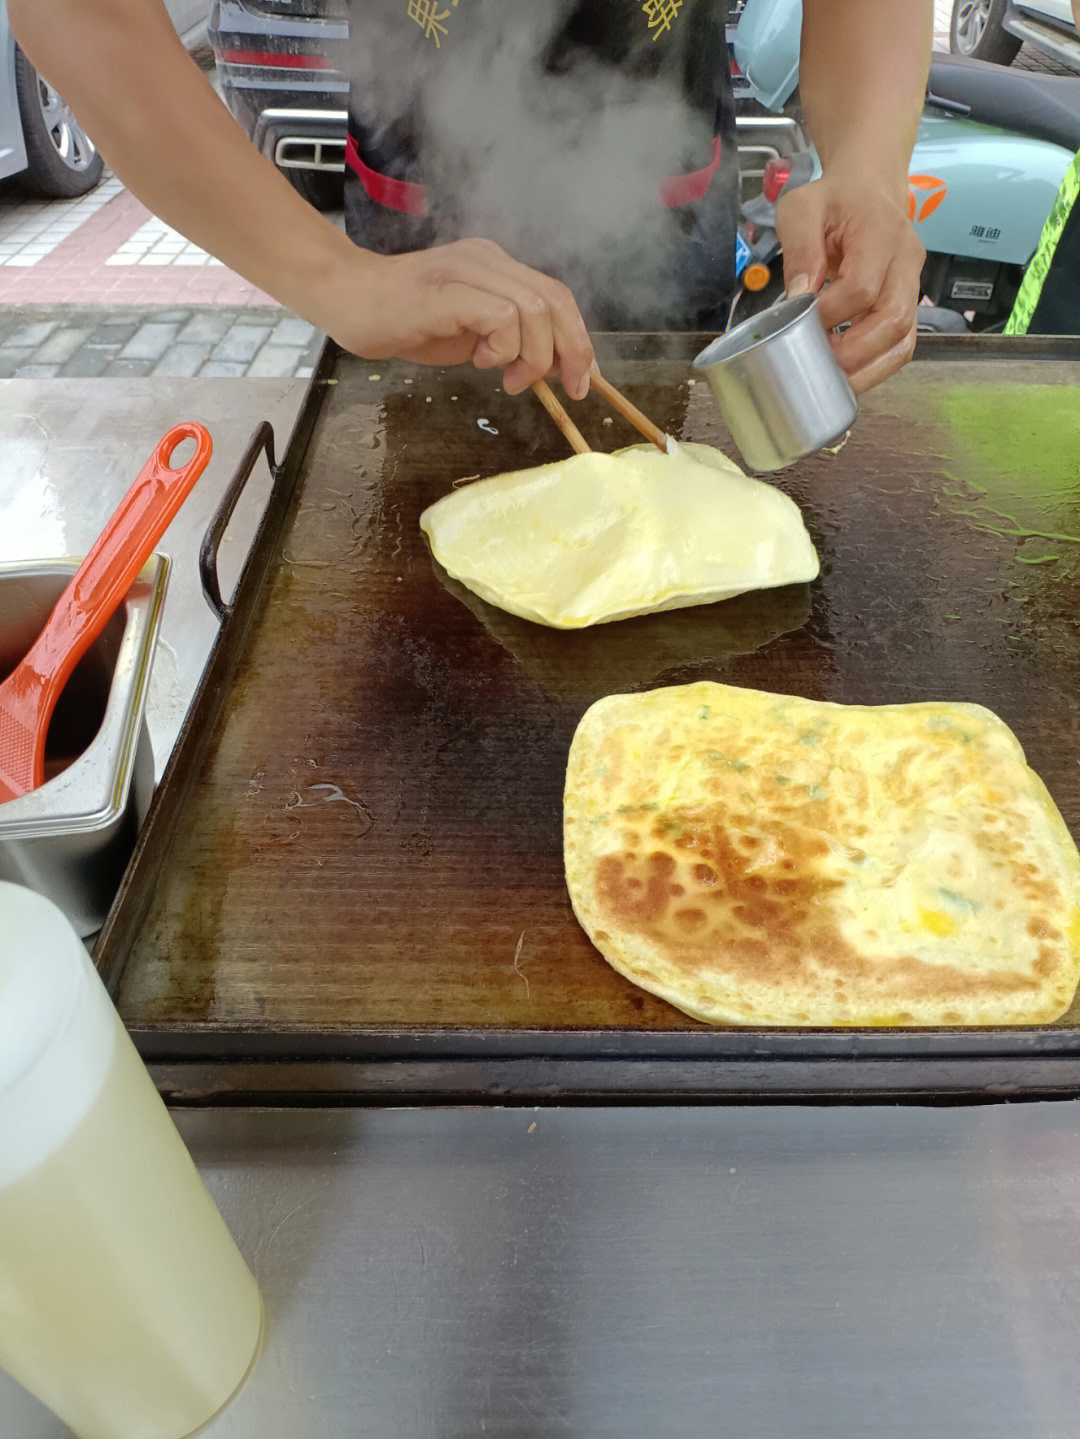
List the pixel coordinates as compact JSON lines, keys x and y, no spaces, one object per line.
{"x":401,"y":195}
{"x":685,"y":189}
{"x":411,"y":199}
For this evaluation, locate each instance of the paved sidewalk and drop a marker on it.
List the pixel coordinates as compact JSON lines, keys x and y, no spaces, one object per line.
{"x":99,"y":286}
{"x":106,"y":248}
{"x":42,"y":342}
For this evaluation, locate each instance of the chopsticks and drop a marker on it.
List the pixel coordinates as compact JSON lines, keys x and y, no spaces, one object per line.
{"x":618,"y":401}
{"x":615,"y":398}
{"x":547,"y":398}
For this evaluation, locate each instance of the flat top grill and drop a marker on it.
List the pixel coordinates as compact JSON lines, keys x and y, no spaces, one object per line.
{"x":362,"y":848}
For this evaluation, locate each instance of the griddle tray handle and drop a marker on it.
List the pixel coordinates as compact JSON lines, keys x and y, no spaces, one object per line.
{"x":262,"y":439}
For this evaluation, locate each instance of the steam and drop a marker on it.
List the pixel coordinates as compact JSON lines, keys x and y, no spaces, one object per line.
{"x":559,"y":165}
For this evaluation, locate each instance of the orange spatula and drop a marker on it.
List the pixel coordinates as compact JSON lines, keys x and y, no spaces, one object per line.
{"x":29,"y":694}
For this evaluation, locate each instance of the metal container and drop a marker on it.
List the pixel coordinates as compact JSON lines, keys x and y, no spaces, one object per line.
{"x":71,"y":838}
{"x":779,"y":385}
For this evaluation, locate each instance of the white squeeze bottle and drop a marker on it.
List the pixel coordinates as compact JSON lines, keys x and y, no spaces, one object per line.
{"x":125,"y":1305}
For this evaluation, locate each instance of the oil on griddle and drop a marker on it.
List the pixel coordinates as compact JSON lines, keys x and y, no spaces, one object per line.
{"x":374,"y":841}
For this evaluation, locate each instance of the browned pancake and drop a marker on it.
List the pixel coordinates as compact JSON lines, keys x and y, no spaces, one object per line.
{"x":764,"y":859}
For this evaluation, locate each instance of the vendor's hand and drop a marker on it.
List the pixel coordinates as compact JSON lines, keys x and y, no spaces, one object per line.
{"x":855,"y":234}
{"x":461,"y":302}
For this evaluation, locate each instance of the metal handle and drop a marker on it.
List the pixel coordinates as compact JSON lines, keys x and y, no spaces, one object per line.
{"x":954,"y":107}
{"x":262,"y":439}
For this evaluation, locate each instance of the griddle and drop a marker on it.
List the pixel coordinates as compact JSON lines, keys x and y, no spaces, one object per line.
{"x":351,"y":879}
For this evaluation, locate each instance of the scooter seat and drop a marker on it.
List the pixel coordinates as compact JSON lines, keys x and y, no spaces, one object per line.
{"x":1046,"y":107}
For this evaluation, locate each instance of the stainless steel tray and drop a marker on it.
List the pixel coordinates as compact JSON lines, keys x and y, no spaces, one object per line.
{"x":72,"y":838}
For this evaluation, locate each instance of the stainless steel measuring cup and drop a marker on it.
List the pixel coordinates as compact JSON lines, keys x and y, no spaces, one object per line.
{"x":779,"y":385}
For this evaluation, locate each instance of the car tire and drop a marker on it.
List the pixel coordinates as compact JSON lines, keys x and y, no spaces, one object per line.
{"x":325,"y":189}
{"x":61,"y":159}
{"x":975,"y":31}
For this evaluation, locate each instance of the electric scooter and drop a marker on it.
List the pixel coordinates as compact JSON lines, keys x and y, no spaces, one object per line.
{"x":992,"y":149}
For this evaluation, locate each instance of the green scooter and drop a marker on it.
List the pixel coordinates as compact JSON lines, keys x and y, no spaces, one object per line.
{"x":992,"y":148}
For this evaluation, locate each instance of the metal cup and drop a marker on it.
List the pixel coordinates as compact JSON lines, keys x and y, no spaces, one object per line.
{"x":779,"y":385}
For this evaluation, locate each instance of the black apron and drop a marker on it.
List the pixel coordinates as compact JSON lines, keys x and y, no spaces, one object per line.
{"x":592,"y":139}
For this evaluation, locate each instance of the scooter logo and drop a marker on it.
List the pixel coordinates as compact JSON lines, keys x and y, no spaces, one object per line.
{"x":934,"y":191}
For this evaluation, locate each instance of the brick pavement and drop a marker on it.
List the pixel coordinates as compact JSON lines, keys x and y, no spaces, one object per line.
{"x":99,"y":286}
{"x":46,"y":341}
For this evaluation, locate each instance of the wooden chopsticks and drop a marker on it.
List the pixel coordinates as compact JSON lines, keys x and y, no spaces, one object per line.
{"x":547,"y":398}
{"x":615,"y":398}
{"x":618,"y":401}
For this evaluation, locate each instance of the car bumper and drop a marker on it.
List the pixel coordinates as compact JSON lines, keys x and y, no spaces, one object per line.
{"x":278,"y":77}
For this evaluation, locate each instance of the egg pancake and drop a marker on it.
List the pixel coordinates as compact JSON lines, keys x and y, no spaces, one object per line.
{"x":601,"y":537}
{"x":763,"y":859}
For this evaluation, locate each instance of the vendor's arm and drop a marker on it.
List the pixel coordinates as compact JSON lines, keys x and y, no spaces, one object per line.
{"x":158,"y":123}
{"x":862,"y":80}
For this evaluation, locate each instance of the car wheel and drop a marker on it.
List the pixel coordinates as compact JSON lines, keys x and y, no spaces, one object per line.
{"x":975,"y":31}
{"x":62,"y":160}
{"x":325,"y":189}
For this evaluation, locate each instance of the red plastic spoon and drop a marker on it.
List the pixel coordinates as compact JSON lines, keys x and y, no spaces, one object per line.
{"x":28,"y":696}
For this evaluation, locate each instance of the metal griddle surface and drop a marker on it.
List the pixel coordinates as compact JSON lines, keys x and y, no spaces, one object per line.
{"x":373,"y":840}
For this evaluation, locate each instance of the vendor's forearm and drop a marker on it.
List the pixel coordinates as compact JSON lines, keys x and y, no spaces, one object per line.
{"x":161,"y":128}
{"x":862,"y":80}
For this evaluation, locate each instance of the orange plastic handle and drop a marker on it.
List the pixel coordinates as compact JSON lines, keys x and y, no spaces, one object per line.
{"x":119,"y":553}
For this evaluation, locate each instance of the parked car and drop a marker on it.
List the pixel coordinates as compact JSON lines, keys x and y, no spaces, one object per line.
{"x":276,"y":66}
{"x":41,"y":141}
{"x":995,"y":30}
{"x":191,"y":19}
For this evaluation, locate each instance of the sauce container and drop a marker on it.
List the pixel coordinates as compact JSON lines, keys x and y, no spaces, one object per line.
{"x":71,"y":838}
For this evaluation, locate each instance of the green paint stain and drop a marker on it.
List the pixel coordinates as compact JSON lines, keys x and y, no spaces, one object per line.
{"x":1020,"y":452}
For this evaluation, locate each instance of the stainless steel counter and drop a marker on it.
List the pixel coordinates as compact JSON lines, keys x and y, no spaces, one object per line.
{"x":71,"y":448}
{"x":638,"y":1273}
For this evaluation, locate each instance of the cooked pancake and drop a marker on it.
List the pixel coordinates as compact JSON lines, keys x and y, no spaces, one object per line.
{"x":600,"y":537}
{"x":763,"y":859}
